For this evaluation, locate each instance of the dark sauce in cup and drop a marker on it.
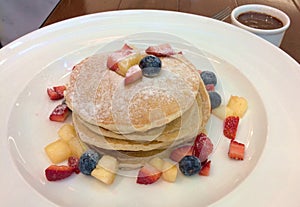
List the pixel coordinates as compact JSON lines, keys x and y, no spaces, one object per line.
{"x":259,"y":20}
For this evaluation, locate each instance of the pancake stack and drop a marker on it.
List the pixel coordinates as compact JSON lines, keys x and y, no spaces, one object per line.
{"x":141,"y":120}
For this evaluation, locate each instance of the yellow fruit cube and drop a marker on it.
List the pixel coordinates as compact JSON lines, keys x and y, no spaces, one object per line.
{"x":106,"y":169}
{"x":66,"y":132}
{"x":222,"y":112}
{"x":238,"y":105}
{"x":127,"y":62}
{"x":77,"y":146}
{"x":157,"y":163}
{"x":58,"y":151}
{"x":169,"y":171}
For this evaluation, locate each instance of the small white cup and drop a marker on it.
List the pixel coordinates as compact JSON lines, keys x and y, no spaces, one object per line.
{"x":274,"y":36}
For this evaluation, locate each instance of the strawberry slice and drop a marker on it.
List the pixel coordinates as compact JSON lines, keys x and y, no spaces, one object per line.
{"x":74,"y":162}
{"x":230,"y":126}
{"x":180,"y":152}
{"x":162,"y":50}
{"x":60,"y":113}
{"x":148,"y":175}
{"x":56,"y":93}
{"x":203,"y":147}
{"x":236,"y":150}
{"x":205,"y":170}
{"x":116,"y":56}
{"x":58,"y":172}
{"x":133,"y":74}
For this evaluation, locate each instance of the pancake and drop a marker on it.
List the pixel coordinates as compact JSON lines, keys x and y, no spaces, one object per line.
{"x":99,"y":96}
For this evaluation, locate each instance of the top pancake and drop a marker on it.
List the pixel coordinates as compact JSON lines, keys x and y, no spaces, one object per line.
{"x":99,"y":96}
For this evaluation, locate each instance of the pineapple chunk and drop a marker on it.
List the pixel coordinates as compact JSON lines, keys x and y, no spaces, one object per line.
{"x":238,"y":105}
{"x":106,"y":169}
{"x":222,"y":112}
{"x":77,"y":146}
{"x":128,"y":62}
{"x":58,"y":151}
{"x":157,"y":163}
{"x":66,"y":132}
{"x":169,"y":171}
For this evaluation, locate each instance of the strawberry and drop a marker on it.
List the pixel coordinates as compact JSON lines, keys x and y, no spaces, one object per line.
{"x":58,"y":172}
{"x":230,"y":126}
{"x":56,"y":93}
{"x":60,"y":113}
{"x":178,"y":153}
{"x":203,"y":147}
{"x":205,"y":169}
{"x":133,"y":74}
{"x":236,"y":150}
{"x":73,"y":162}
{"x":148,"y":175}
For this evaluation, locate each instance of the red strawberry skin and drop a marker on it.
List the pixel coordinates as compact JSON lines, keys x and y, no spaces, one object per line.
{"x":203,"y":147}
{"x":58,"y":172}
{"x":73,"y":162}
{"x":178,"y":153}
{"x":60,"y":113}
{"x":56,"y":93}
{"x":205,"y":170}
{"x":148,"y":175}
{"x":236,"y":150}
{"x":230,"y":126}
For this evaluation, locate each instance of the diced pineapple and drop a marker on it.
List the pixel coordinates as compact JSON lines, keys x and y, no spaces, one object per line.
{"x":169,"y":171}
{"x":127,"y":62}
{"x":157,"y":163}
{"x":238,"y":105}
{"x":106,"y":169}
{"x":58,"y":151}
{"x":77,"y":146}
{"x":66,"y":132}
{"x":222,"y":112}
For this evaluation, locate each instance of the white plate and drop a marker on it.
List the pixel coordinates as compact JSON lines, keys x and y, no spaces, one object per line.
{"x":247,"y":66}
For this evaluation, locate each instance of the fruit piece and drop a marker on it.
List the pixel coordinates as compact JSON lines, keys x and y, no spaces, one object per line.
{"x":66,"y":132}
{"x":189,"y":165}
{"x":236,"y":150}
{"x":88,"y":161}
{"x":77,"y":146}
{"x":74,"y":162}
{"x":162,"y":50}
{"x":117,"y":56}
{"x":56,"y":93}
{"x":170,"y":171}
{"x":178,"y":153}
{"x":230,"y":126}
{"x":215,"y":99}
{"x":205,"y":170}
{"x":58,"y":151}
{"x":60,"y":113}
{"x":133,"y":74}
{"x":222,"y":112}
{"x":238,"y":105}
{"x":148,"y":175}
{"x":157,"y":163}
{"x":209,"y":77}
{"x":58,"y":172}
{"x":150,"y":66}
{"x":128,"y":62}
{"x":210,"y":87}
{"x":202,"y":147}
{"x":106,"y":169}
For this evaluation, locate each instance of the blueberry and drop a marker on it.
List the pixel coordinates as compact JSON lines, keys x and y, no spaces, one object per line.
{"x":88,"y":161}
{"x":150,"y":65}
{"x":209,"y":77}
{"x":215,"y":99}
{"x":189,"y":165}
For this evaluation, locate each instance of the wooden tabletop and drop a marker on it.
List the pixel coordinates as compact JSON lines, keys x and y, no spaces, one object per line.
{"x":72,"y":8}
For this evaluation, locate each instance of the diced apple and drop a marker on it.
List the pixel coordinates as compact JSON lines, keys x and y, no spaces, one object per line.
{"x":169,"y":171}
{"x":58,"y":151}
{"x":238,"y":105}
{"x":133,"y":74}
{"x":157,"y":163}
{"x":66,"y":132}
{"x":127,"y":62}
{"x":222,"y":112}
{"x":77,"y":147}
{"x":106,"y":169}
